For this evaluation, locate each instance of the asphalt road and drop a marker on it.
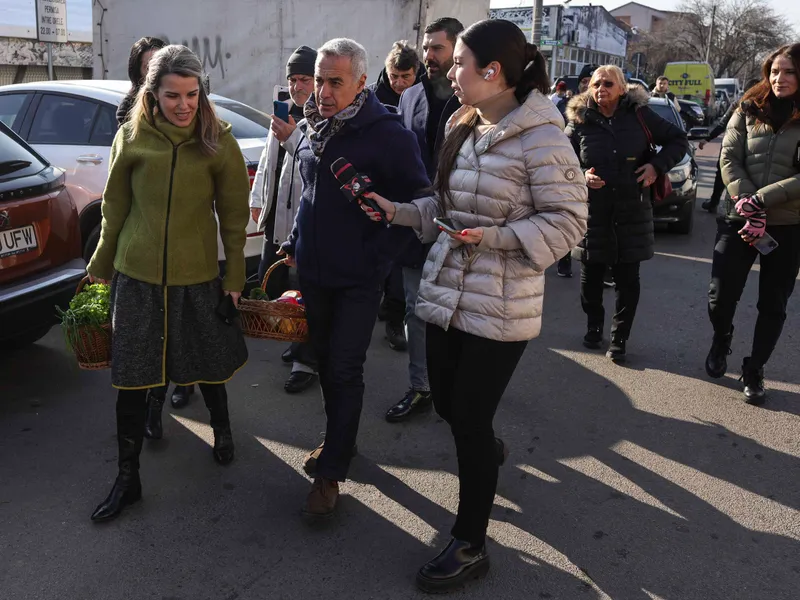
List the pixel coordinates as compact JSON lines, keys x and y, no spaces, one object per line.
{"x":646,"y":481}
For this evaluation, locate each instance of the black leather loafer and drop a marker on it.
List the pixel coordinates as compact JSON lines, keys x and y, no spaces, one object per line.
{"x":457,"y":564}
{"x":299,"y":381}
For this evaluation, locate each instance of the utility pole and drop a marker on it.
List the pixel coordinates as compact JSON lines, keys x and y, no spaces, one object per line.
{"x":555,"y":35}
{"x":50,"y":61}
{"x":711,"y":31}
{"x":536,"y":29}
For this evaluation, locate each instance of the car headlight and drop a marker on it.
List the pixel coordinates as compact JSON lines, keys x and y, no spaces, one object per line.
{"x":680,"y":172}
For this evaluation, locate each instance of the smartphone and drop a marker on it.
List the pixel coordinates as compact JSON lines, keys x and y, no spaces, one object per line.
{"x":226,"y":309}
{"x":449,"y":225}
{"x":765,"y":244}
{"x":281,"y":110}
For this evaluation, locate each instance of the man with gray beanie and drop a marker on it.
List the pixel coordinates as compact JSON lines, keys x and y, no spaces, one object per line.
{"x":275,"y":198}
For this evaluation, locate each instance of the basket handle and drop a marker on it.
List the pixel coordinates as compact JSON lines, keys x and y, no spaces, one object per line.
{"x":269,"y":272}
{"x":81,"y":284}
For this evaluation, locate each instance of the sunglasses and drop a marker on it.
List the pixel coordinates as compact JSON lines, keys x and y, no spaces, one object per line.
{"x":606,"y":84}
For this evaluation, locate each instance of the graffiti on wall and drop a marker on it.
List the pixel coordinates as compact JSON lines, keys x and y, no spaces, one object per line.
{"x":16,"y":51}
{"x":210,"y":51}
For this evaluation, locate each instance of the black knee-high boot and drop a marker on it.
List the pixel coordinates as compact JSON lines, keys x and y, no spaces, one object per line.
{"x":216,"y":399}
{"x":156,"y":397}
{"x":131,"y":411}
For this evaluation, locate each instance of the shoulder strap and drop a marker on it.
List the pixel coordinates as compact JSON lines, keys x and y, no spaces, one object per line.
{"x":649,"y":135}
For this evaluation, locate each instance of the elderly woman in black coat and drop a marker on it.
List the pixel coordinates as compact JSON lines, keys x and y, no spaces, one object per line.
{"x":608,"y":126}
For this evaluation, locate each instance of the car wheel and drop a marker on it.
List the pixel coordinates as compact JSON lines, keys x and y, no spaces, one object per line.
{"x":26,"y":339}
{"x":685,"y":225}
{"x":91,"y":243}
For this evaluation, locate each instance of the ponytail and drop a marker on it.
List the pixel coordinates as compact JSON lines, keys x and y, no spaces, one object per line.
{"x":449,"y":152}
{"x":534,"y":74}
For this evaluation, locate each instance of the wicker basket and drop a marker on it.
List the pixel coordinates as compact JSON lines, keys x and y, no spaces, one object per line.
{"x":91,"y":343}
{"x":279,"y":321}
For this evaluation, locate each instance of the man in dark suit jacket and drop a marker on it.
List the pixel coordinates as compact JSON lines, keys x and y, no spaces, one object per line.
{"x":343,"y":257}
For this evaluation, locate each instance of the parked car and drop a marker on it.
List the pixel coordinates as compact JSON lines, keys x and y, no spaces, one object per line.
{"x":691,"y":114}
{"x":40,"y":243}
{"x":72,"y":124}
{"x":677,"y":209}
{"x":640,"y":82}
{"x":724,"y":100}
{"x":732,"y":86}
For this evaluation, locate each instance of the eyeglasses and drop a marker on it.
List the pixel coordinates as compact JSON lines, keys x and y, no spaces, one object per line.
{"x":606,"y":84}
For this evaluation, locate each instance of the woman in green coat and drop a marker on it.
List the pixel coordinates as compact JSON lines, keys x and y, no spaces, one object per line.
{"x":173,"y":165}
{"x":760,"y":163}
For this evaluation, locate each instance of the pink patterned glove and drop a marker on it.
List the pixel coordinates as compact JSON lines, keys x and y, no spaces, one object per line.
{"x":756,"y":226}
{"x":747,"y":206}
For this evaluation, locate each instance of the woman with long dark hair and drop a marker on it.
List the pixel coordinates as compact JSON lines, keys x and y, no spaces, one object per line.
{"x":761,"y":168}
{"x":612,"y":130}
{"x":511,"y":185}
{"x":141,"y":53}
{"x":173,"y":165}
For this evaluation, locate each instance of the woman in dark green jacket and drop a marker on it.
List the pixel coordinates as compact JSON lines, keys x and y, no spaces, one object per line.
{"x":173,"y":165}
{"x":760,"y":163}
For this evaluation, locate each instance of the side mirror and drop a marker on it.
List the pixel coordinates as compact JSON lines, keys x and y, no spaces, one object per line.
{"x":696,"y":133}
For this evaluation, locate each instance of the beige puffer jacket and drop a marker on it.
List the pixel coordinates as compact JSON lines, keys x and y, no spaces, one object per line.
{"x":523,"y":184}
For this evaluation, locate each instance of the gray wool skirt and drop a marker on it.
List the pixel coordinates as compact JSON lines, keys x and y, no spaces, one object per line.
{"x":174,"y":333}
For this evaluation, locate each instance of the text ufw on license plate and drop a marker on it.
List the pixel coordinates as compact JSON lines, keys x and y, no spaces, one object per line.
{"x":17,"y":241}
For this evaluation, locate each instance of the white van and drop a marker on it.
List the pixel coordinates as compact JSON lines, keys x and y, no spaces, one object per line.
{"x":730,"y":85}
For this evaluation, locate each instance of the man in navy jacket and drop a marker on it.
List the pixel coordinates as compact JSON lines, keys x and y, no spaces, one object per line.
{"x":343,"y":257}
{"x":425,"y":109}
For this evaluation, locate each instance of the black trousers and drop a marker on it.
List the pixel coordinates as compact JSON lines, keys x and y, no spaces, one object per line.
{"x":394,"y":298}
{"x":733,"y":258}
{"x":627,"y":289}
{"x":468,"y":376}
{"x":719,"y":186}
{"x":340,"y":324}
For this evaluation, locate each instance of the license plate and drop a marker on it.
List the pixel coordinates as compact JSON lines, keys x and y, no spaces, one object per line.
{"x":17,"y":241}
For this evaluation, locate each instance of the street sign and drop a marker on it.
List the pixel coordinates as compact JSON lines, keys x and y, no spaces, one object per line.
{"x":551,"y":43}
{"x":51,"y":20}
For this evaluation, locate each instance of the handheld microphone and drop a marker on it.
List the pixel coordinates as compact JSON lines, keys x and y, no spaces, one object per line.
{"x":354,"y":185}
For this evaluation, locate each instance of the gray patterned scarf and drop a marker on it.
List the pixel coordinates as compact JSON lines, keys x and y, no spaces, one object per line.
{"x":321,"y":130}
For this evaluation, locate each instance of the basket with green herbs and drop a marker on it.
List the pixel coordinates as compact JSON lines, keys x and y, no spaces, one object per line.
{"x":87,"y":325}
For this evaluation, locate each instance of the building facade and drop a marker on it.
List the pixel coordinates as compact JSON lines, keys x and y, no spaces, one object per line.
{"x":572,"y":36}
{"x":23,"y":58}
{"x":641,"y":18}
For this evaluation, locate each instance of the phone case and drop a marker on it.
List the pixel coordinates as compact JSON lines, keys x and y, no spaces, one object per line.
{"x":765,"y":244}
{"x":281,"y":110}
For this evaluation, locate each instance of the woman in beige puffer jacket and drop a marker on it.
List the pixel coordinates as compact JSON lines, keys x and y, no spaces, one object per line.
{"x":513,"y":184}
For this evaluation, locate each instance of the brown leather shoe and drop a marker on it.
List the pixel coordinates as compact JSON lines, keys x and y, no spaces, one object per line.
{"x":321,"y":501}
{"x":310,"y":463}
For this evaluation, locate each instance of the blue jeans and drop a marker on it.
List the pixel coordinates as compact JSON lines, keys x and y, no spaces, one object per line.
{"x":415,"y":332}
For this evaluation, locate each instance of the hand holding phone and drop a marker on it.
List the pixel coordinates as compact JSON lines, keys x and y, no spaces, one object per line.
{"x":449,"y":225}
{"x":281,"y":110}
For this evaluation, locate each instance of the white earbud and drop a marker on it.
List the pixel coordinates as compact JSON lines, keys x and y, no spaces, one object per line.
{"x":489,"y":73}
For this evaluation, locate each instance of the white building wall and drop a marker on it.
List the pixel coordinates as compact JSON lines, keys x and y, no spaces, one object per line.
{"x":641,"y":17}
{"x":245,"y":43}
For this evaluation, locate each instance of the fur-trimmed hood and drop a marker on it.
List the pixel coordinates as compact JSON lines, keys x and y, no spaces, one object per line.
{"x":636,"y":97}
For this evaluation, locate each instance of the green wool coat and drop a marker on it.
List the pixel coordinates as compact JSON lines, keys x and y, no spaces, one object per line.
{"x":159,"y":204}
{"x":755,"y":158}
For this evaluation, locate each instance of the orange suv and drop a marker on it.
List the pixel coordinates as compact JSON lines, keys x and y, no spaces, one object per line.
{"x":40,"y":243}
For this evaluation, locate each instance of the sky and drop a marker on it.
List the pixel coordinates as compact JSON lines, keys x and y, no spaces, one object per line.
{"x":18,"y":19}
{"x":790,"y":8}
